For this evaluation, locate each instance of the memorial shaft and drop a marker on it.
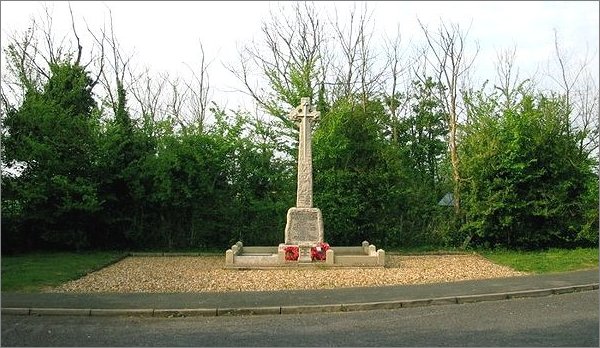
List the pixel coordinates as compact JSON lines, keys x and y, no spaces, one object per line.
{"x":304,"y":194}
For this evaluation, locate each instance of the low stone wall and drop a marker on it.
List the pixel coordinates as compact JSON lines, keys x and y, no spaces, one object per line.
{"x":240,"y":256}
{"x":348,"y":250}
{"x":356,"y":256}
{"x":260,"y":250}
{"x":249,"y":261}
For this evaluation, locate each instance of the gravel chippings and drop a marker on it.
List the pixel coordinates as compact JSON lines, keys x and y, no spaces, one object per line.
{"x":207,"y":273}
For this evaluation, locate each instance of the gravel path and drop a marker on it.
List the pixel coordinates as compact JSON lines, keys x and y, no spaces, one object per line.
{"x":206,"y":273}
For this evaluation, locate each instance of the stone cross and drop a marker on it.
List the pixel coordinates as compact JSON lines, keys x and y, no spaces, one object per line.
{"x":304,"y":225}
{"x":304,"y":115}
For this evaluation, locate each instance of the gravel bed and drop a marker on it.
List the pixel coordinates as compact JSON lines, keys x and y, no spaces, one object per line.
{"x":207,"y":273}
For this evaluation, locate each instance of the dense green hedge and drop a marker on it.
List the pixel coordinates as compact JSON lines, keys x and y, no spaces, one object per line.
{"x":92,"y":182}
{"x":527,"y":183}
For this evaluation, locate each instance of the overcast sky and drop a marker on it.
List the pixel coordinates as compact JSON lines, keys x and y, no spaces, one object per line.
{"x":164,"y":35}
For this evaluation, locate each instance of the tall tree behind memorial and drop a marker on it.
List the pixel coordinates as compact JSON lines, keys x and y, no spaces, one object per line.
{"x":527,"y":181}
{"x":50,"y":127}
{"x":53,"y":136}
{"x":447,"y":58}
{"x":290,"y":60}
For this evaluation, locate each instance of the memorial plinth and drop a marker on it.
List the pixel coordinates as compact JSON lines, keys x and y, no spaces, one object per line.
{"x":304,"y":225}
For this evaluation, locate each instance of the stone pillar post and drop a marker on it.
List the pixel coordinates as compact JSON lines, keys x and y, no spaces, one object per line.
{"x":304,"y":115}
{"x":304,"y":223}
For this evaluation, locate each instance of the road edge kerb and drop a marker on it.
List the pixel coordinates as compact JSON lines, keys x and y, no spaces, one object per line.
{"x":300,"y":309}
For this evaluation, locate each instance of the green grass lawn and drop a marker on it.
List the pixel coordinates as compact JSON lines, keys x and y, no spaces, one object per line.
{"x":547,"y":261}
{"x":34,"y":272}
{"x":425,"y":250}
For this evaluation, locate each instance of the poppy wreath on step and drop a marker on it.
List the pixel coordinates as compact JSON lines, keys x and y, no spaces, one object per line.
{"x":319,"y":252}
{"x":291,"y":253}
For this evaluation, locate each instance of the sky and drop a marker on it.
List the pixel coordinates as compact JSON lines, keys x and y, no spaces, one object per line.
{"x":164,"y":35}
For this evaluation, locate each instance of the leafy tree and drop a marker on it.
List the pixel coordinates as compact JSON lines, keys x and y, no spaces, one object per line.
{"x":423,"y":162}
{"x":525,"y":178}
{"x":451,"y":66}
{"x":423,"y":132}
{"x":123,"y":149}
{"x":290,"y":60}
{"x":188,"y":196}
{"x":261,"y":177}
{"x":353,"y":184}
{"x":52,"y":135}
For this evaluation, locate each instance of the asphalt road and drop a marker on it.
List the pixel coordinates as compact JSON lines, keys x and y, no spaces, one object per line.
{"x":558,"y":320}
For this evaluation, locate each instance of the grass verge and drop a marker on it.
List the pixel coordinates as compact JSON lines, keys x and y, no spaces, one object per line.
{"x":546,"y":261}
{"x":34,"y":272}
{"x":425,"y":250}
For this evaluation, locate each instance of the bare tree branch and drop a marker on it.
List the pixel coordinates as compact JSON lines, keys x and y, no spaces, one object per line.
{"x":79,"y":47}
{"x":289,"y":59}
{"x":199,"y":91}
{"x":448,"y":48}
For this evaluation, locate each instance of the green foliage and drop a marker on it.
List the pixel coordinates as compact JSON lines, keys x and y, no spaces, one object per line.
{"x":588,"y":235}
{"x":288,"y":89}
{"x":187,"y":193}
{"x":69,"y":89}
{"x":545,"y":261}
{"x":289,"y":92}
{"x":36,"y":272}
{"x":124,"y":146}
{"x":419,"y":153}
{"x":210,"y":189}
{"x":353,"y":186}
{"x":89,"y":180}
{"x":261,"y":179}
{"x":52,"y":138}
{"x":422,"y":133}
{"x":525,"y":178}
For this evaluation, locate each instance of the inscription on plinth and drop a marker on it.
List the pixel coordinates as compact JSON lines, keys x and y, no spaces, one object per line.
{"x":304,"y":225}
